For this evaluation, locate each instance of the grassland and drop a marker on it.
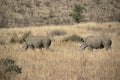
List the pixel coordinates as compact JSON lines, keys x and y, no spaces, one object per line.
{"x":64,"y":61}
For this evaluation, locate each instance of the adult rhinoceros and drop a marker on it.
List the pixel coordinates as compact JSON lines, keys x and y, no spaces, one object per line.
{"x":96,"y":42}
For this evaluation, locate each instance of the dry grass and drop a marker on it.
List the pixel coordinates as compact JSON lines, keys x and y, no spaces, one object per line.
{"x":64,"y":61}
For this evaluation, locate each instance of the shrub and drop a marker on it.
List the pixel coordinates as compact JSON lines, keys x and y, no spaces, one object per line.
{"x":57,"y":33}
{"x":13,"y":68}
{"x":77,"y":13}
{"x":73,"y":37}
{"x":8,"y":69}
{"x":14,"y":38}
{"x":7,"y":62}
{"x":8,"y":65}
{"x":21,"y":11}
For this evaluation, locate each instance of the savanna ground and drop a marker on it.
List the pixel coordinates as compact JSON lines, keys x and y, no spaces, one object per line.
{"x":64,"y":61}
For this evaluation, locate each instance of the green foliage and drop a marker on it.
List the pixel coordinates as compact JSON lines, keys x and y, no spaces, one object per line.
{"x":7,"y":61}
{"x":13,"y":68}
{"x":57,"y":33}
{"x":21,"y":11}
{"x":73,"y":37}
{"x":8,"y":65}
{"x":77,"y":13}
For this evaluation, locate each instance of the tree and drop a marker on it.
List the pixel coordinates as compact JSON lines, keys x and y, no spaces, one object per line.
{"x":77,"y":13}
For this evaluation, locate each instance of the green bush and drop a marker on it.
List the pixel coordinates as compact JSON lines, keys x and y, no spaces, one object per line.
{"x":77,"y":13}
{"x":8,"y":69}
{"x":57,"y":33}
{"x":73,"y":37}
{"x":8,"y":65}
{"x":7,"y":62}
{"x":16,"y":39}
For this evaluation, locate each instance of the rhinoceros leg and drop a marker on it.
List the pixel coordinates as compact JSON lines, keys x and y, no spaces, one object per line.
{"x":90,"y":48}
{"x":82,"y":47}
{"x":108,"y":48}
{"x":107,"y":45}
{"x":25,"y":47}
{"x":32,"y":47}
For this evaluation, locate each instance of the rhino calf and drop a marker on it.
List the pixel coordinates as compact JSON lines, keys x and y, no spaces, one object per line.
{"x":96,"y":42}
{"x":36,"y":42}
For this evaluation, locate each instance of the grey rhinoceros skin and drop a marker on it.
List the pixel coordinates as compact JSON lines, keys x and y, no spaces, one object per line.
{"x":96,"y":42}
{"x":36,"y":42}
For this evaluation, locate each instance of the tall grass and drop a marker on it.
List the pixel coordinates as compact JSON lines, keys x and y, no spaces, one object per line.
{"x":64,"y":61}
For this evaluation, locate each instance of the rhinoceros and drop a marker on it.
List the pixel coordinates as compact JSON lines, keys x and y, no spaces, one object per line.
{"x":96,"y":42}
{"x":36,"y":42}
